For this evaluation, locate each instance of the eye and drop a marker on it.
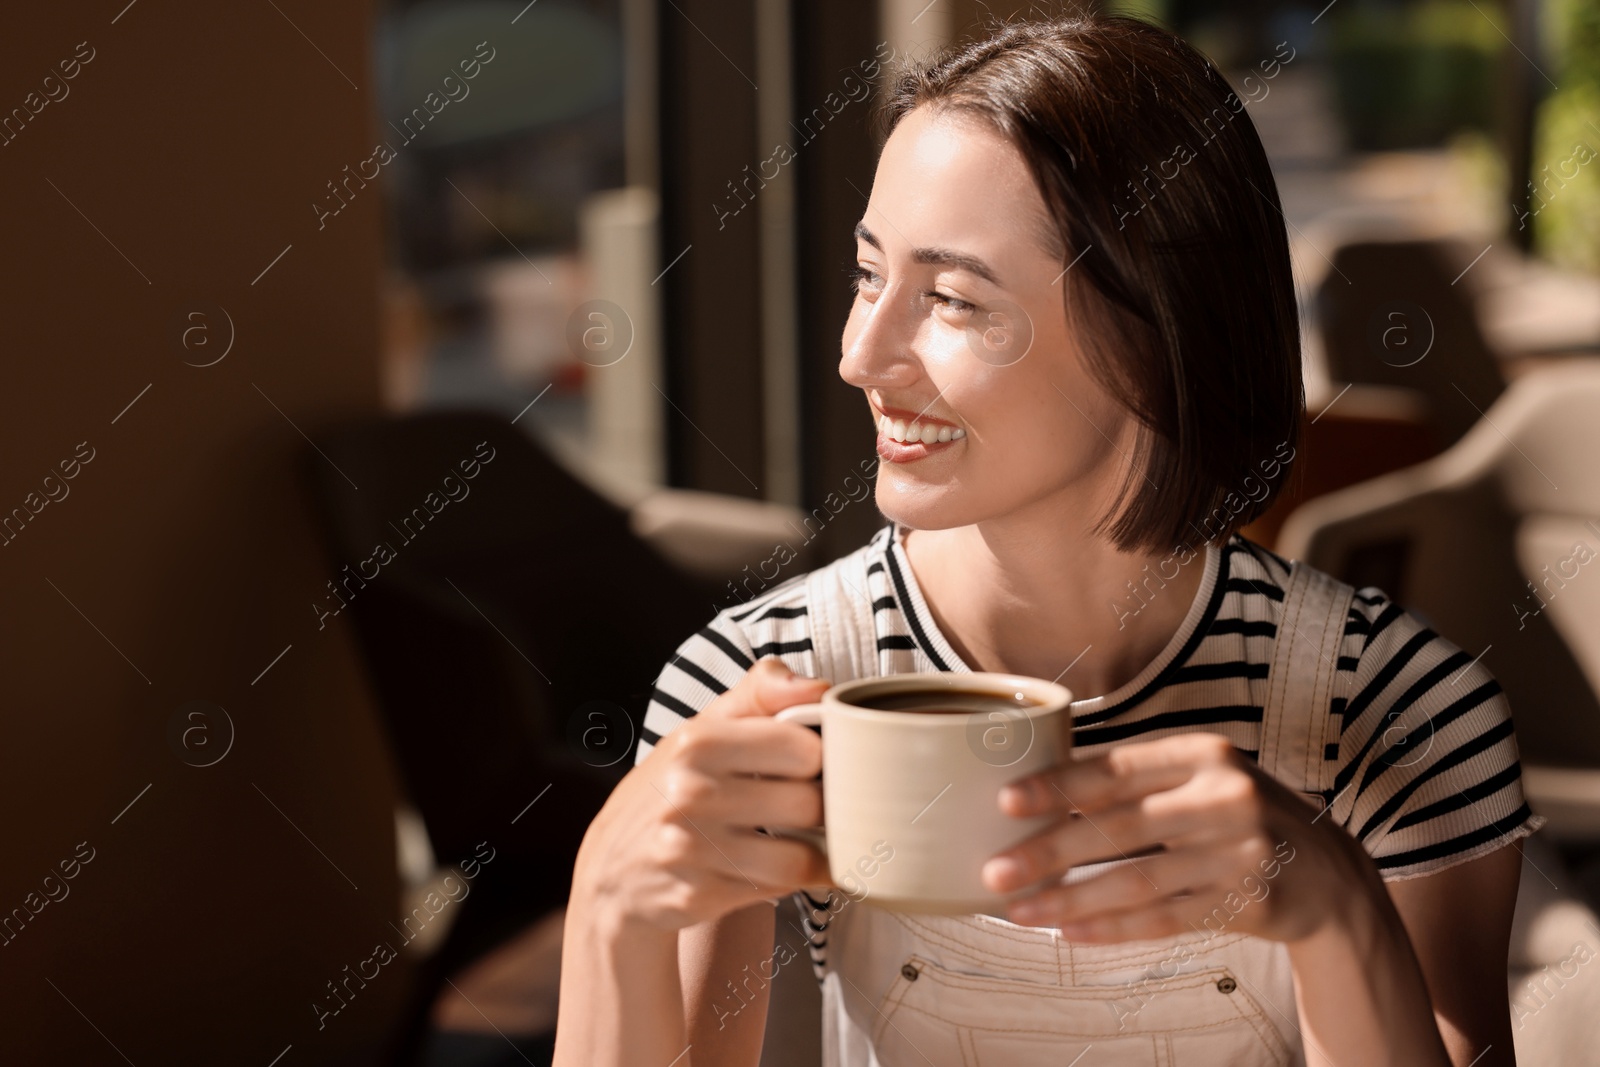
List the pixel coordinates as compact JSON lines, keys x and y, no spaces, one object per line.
{"x":864,"y":281}
{"x":955,"y":304}
{"x":860,"y":277}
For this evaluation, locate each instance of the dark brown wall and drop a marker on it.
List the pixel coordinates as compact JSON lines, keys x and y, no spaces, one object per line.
{"x":832,"y":39}
{"x":194,"y":141}
{"x":712,"y":295}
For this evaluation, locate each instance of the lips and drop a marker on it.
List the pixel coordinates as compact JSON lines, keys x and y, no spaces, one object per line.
{"x":906,"y":436}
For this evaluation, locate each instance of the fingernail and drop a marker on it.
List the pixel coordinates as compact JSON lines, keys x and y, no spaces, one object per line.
{"x":1020,"y":796}
{"x":1027,"y":911}
{"x":1005,"y":871}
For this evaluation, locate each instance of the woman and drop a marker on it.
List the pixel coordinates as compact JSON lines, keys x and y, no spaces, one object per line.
{"x":1075,"y":332}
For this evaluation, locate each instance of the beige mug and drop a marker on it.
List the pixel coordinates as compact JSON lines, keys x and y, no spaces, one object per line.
{"x":912,"y":768}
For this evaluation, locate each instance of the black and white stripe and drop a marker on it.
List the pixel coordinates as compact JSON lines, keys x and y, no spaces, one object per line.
{"x":1425,"y":766}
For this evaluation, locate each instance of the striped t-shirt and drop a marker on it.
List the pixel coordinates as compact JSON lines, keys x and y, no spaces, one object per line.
{"x":1427,"y":773}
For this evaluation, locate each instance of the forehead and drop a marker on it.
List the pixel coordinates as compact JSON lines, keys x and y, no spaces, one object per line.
{"x":950,"y":179}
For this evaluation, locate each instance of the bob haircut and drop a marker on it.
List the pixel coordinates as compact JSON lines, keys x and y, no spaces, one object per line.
{"x":1155,"y":177}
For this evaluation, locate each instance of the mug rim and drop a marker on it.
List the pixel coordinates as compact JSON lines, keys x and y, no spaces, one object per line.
{"x":1057,"y":697}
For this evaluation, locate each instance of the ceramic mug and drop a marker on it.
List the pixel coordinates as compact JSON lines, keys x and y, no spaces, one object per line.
{"x":912,"y":767}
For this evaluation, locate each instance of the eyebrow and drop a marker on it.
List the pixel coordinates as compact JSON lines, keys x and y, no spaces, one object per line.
{"x":947,"y":257}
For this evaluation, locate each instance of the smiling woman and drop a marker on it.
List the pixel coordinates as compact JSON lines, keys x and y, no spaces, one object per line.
{"x":1185,"y":314}
{"x":1068,"y":398}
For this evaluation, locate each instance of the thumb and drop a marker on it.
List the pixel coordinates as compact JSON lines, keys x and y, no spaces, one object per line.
{"x":769,"y":687}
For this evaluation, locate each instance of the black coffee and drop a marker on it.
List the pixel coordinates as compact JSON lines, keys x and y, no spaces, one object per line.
{"x":945,"y":701}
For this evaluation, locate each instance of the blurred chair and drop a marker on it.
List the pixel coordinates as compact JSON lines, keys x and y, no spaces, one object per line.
{"x":1485,"y":541}
{"x":1553,"y":973}
{"x":1400,"y":315}
{"x":512,"y":633}
{"x":1495,"y":543}
{"x":1398,"y":338}
{"x":1368,"y":432}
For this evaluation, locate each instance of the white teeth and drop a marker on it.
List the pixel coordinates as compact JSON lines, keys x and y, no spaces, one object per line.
{"x":918,"y":432}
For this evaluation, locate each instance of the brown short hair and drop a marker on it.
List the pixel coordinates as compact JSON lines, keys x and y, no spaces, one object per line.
{"x":1185,"y":274}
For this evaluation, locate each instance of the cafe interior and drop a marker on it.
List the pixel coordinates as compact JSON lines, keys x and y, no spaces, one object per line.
{"x":394,"y":386}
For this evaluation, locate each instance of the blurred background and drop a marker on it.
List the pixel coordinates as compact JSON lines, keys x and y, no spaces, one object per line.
{"x":512,"y":328}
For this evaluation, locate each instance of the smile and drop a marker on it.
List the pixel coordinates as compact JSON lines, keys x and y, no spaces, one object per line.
{"x":904,"y":436}
{"x":915,"y":432}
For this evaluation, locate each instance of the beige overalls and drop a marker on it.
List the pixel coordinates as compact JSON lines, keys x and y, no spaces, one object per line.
{"x":979,"y":991}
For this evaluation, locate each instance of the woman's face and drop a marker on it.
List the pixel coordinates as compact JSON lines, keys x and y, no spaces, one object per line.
{"x":990,"y":363}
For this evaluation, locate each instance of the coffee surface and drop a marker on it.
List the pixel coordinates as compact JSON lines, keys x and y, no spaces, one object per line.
{"x":945,"y":701}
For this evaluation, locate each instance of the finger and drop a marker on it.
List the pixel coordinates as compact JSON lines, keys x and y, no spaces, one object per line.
{"x":742,"y":893}
{"x":1160,"y":919}
{"x":1125,"y":773}
{"x":1143,"y":881}
{"x":745,"y":802}
{"x":746,"y":746}
{"x":1112,"y":834}
{"x":771,"y":865}
{"x":766,"y":689}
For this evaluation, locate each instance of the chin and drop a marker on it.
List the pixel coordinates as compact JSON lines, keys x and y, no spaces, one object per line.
{"x":924,"y":507}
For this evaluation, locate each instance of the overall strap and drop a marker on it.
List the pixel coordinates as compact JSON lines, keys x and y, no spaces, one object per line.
{"x":844,"y":641}
{"x":1297,"y":723}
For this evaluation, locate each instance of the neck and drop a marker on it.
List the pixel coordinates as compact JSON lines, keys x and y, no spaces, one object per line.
{"x":1037,"y":594}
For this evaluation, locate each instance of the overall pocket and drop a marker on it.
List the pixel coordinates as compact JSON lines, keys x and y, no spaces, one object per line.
{"x":932,"y":1015}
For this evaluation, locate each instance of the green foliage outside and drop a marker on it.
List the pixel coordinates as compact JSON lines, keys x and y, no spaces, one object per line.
{"x":1408,"y":77}
{"x":1566,"y":151}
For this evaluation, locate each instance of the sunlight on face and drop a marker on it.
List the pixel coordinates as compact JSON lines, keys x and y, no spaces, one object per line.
{"x":933,"y":343}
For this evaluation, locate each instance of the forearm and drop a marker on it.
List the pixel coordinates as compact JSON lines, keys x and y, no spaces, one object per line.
{"x":723,"y":968}
{"x":621,"y":1003}
{"x":1360,"y":992}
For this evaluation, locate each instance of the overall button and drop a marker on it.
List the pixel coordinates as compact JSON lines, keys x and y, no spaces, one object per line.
{"x":1226,"y":984}
{"x":910,"y":973}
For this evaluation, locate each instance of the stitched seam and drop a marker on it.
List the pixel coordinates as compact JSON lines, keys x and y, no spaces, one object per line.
{"x":1099,"y":964}
{"x":1243,"y":1004}
{"x":892,"y":1002}
{"x":1273,"y":707}
{"x":1082,"y":1033}
{"x":1330,"y":730}
{"x":974,"y":951}
{"x":969,"y":1046}
{"x":1308,"y":715}
{"x":817,"y":614}
{"x":1282,"y":657}
{"x":983,"y":931}
{"x":1184,"y":980}
{"x":1255,"y":1015}
{"x":1285,"y":712}
{"x":975,"y":955}
{"x":1332,"y":636}
{"x":1342,"y":687}
{"x":869,"y":624}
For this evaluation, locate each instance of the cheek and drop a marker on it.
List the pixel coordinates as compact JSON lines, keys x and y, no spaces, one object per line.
{"x":1040,"y":428}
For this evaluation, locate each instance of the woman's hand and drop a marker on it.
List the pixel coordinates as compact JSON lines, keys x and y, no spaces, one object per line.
{"x":675,"y":844}
{"x":1236,"y":847}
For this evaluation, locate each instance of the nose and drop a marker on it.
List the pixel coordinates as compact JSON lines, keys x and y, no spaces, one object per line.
{"x":877,"y":344}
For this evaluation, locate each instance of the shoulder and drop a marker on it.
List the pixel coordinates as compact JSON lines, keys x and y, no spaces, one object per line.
{"x":1252,"y":568}
{"x":1429,"y":774}
{"x":1394,"y":645}
{"x":1427,"y":771}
